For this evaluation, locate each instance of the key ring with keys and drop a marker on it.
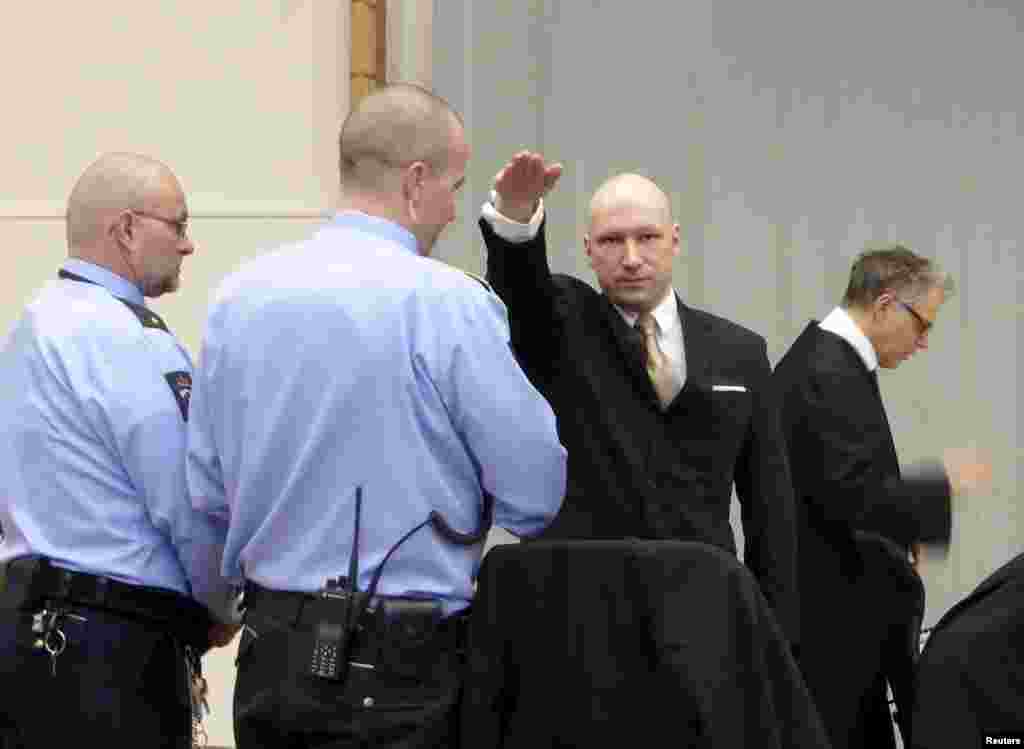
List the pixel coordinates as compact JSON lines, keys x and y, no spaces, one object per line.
{"x":55,"y":642}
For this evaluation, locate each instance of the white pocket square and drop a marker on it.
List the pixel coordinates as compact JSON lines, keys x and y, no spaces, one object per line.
{"x":729,"y":388}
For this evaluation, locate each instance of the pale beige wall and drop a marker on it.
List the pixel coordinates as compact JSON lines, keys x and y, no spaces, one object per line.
{"x":242,"y":98}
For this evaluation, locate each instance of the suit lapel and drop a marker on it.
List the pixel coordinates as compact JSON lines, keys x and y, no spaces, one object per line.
{"x":627,"y":345}
{"x":885,"y":418}
{"x":854,"y":362}
{"x":850,"y":356}
{"x":872,"y":378}
{"x":697,"y":347}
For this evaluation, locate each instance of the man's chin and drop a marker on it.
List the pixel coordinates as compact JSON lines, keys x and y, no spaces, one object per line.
{"x":166,"y":286}
{"x":892,"y":363}
{"x":632,"y":297}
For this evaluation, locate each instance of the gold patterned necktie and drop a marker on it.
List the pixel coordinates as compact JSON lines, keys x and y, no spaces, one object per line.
{"x":659,"y":368}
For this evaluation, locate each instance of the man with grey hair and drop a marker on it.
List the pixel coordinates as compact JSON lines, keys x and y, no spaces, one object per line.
{"x":358,"y":421}
{"x":847,"y":481}
{"x":99,"y":626}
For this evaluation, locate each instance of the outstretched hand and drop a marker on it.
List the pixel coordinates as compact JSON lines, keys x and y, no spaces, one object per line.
{"x":523,"y":181}
{"x":967,"y":469}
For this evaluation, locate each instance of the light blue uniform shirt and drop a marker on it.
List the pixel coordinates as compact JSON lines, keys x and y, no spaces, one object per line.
{"x":349,"y":360}
{"x":92,"y":454}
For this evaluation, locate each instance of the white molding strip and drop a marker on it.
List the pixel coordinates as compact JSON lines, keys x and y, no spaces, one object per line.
{"x":200,"y":207}
{"x":410,"y":41}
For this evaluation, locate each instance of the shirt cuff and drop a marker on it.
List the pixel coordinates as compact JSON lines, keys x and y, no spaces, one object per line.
{"x":506,"y":228}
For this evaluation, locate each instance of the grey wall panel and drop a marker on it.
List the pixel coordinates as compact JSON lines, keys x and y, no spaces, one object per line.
{"x":789,"y":135}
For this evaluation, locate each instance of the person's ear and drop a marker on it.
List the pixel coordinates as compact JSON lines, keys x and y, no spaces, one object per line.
{"x":880,"y":307}
{"x":412,"y":187}
{"x":412,"y":180}
{"x":124,"y":228}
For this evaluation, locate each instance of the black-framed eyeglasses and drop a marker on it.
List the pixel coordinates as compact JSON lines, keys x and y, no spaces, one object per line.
{"x":924,"y":327}
{"x":180,"y":225}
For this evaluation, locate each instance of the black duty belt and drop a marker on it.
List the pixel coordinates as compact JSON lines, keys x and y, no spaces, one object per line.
{"x":381,"y":624}
{"x":33,"y":581}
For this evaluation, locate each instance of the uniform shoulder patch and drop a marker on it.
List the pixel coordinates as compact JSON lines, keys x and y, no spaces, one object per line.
{"x":180,"y":383}
{"x":479,"y":279}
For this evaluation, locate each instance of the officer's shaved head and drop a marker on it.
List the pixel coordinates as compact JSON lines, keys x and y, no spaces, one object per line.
{"x":630,"y":188}
{"x":113,"y":183}
{"x":127,"y":213}
{"x":391,"y":128}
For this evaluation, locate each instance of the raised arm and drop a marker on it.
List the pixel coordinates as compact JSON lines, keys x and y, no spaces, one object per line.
{"x":504,"y":422}
{"x":517,"y":265}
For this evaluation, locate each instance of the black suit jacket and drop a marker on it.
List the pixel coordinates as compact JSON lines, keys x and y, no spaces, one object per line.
{"x":887,"y":632}
{"x":635,"y":470}
{"x":846,"y":478}
{"x":620,"y":643}
{"x":970,"y":678}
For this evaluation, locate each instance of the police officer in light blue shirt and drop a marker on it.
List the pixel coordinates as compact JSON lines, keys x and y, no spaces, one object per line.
{"x":99,"y":629}
{"x":358,"y":420}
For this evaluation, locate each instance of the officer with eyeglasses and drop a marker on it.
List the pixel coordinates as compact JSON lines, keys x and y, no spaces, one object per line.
{"x":101,"y":630}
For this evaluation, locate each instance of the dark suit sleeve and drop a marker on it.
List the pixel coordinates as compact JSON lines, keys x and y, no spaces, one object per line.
{"x":944,"y":711}
{"x":519,"y":274}
{"x":843,"y":476}
{"x":765,"y":492}
{"x":898,"y":664}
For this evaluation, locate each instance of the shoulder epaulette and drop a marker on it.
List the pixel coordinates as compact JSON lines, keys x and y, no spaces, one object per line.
{"x":147,"y":317}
